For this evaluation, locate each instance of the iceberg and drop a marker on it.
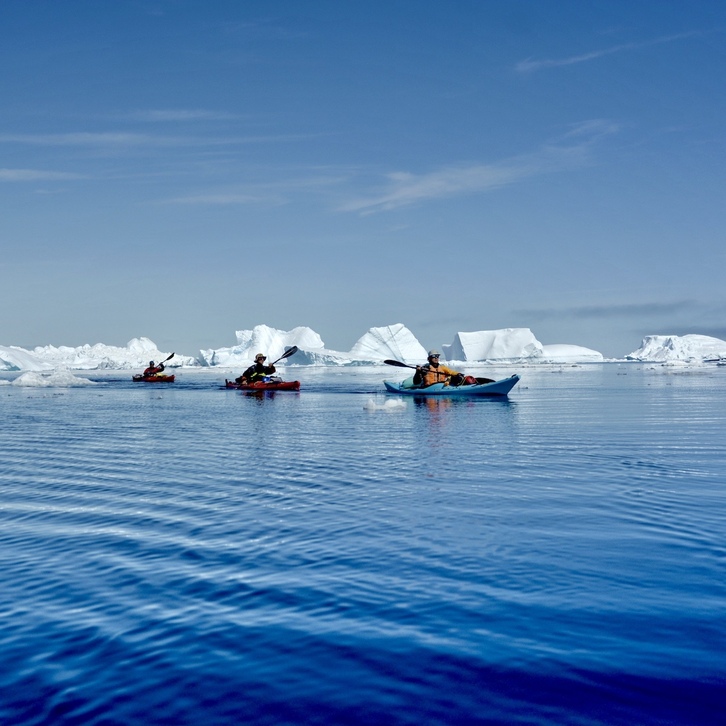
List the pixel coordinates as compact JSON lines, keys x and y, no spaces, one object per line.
{"x":262,"y":339}
{"x":507,"y":344}
{"x":57,"y":379}
{"x":137,"y":354}
{"x":563,"y":353}
{"x":514,"y":345}
{"x":391,"y":341}
{"x":694,"y":349}
{"x":13,"y":358}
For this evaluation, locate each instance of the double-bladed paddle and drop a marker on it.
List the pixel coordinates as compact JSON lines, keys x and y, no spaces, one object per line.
{"x":399,"y":364}
{"x":286,"y":354}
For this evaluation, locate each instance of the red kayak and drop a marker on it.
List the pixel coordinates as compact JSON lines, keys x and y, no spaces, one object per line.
{"x":153,"y":379}
{"x":264,"y":386}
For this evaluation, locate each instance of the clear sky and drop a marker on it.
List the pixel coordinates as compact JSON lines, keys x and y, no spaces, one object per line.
{"x":181,"y":170}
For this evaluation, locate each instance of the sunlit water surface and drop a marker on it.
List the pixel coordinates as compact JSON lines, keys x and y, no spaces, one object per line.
{"x":185,"y":554}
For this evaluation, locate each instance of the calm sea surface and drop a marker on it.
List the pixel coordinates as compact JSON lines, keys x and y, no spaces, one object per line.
{"x":189,"y":555}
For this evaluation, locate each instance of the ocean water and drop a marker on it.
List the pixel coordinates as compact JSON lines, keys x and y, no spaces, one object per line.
{"x":183,"y":554}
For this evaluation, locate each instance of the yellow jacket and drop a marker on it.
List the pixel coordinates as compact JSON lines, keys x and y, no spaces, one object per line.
{"x":430,"y":375}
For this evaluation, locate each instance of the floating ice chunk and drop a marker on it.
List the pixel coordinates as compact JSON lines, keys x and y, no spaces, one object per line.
{"x":391,"y":404}
{"x":57,"y":379}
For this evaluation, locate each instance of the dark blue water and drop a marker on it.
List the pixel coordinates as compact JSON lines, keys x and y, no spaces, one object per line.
{"x":189,"y":555}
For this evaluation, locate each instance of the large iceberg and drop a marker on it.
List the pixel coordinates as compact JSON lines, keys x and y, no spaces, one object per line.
{"x":262,"y":339}
{"x":565,"y":353}
{"x":679,"y":348}
{"x":137,"y":354}
{"x":13,"y":358}
{"x":390,"y":341}
{"x":507,"y":344}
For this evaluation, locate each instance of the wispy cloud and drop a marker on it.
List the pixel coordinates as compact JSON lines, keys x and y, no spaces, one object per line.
{"x":405,"y":188}
{"x":261,"y":193}
{"x":128,"y":140}
{"x":223,"y":199}
{"x":81,"y":139}
{"x":30,"y":175}
{"x":622,"y":310}
{"x":179,"y":115}
{"x":530,"y":65}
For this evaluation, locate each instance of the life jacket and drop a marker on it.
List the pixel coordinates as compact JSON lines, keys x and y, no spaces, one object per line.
{"x":431,"y":375}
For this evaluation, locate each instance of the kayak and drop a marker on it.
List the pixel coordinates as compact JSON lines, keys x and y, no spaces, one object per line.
{"x":264,"y":386}
{"x":153,"y":379}
{"x":483,"y":387}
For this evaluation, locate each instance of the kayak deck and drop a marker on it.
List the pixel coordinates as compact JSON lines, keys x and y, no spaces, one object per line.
{"x":493,"y":388}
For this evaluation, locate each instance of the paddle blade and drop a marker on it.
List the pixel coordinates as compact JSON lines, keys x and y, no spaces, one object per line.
{"x":287,"y":354}
{"x":398,"y":363}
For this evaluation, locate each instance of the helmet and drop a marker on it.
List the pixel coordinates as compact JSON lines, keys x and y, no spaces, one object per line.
{"x":151,"y":362}
{"x":260,"y":355}
{"x":434,"y":354}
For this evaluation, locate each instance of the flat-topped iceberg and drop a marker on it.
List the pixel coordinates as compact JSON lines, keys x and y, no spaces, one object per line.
{"x":507,"y":344}
{"x":514,"y":345}
{"x":693,"y":349}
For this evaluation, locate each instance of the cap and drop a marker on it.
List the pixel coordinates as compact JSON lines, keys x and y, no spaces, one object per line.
{"x":434,"y":354}
{"x":260,"y":355}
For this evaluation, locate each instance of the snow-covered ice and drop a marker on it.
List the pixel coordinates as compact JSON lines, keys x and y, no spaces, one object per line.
{"x":137,"y":354}
{"x":18,"y":359}
{"x":57,"y":379}
{"x":396,"y":341}
{"x":693,"y":349}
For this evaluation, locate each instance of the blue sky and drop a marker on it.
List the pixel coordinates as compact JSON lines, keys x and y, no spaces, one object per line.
{"x":181,"y":170}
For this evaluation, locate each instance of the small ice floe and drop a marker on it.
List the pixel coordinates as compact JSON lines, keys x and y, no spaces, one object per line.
{"x":390,"y":404}
{"x":57,"y":379}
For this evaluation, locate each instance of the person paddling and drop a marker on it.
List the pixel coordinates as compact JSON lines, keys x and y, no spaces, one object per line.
{"x":432,"y":372}
{"x":153,"y":370}
{"x":257,"y":371}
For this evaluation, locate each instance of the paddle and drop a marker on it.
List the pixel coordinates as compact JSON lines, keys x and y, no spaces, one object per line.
{"x":286,"y":354}
{"x":398,"y":363}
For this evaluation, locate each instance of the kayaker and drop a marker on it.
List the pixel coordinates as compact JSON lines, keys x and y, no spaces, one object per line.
{"x":257,"y":371}
{"x":153,"y":370}
{"x":432,"y":372}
